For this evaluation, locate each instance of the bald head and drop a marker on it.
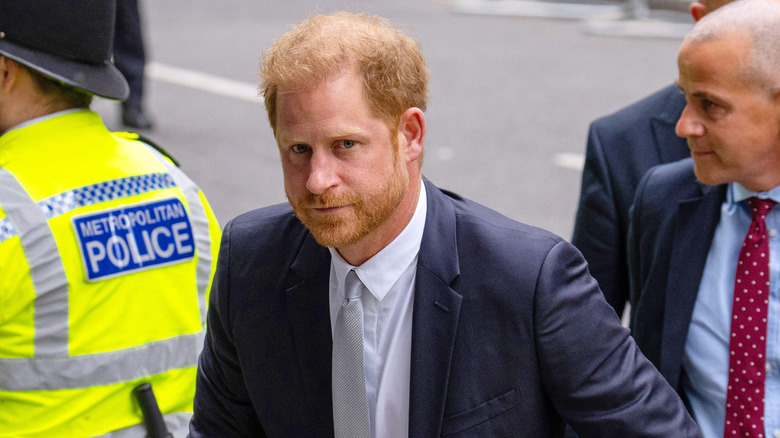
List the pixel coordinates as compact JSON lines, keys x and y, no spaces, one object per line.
{"x":758,"y":20}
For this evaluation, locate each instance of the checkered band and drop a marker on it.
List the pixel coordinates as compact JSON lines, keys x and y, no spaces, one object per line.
{"x":105,"y":191}
{"x":7,"y":229}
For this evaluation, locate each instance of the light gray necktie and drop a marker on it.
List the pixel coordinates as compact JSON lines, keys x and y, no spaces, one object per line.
{"x":350,"y":406}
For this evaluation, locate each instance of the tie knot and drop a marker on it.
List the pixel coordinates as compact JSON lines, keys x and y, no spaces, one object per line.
{"x":353,"y":287}
{"x":759,"y":208}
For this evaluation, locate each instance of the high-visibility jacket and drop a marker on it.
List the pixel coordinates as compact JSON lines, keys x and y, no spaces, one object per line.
{"x":106,"y":255}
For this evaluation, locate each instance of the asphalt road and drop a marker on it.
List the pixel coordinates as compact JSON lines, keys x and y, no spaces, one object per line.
{"x":511,"y":97}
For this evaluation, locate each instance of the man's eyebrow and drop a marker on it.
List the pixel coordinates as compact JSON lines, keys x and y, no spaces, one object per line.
{"x":286,"y":139}
{"x":349,"y":132}
{"x":705,"y":95}
{"x":340,"y":133}
{"x":697,"y":94}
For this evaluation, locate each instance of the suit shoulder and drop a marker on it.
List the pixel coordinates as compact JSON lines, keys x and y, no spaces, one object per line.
{"x":671,"y":178}
{"x":663,"y":187}
{"x":666,"y":103}
{"x":489,"y":225}
{"x":492,"y":246}
{"x":255,"y":236}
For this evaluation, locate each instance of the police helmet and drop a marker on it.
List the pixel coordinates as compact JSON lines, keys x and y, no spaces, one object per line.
{"x":69,"y":41}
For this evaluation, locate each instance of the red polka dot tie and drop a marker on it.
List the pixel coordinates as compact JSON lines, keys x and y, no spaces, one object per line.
{"x":747,"y":346}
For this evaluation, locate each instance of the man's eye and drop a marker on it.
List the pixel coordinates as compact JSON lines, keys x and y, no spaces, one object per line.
{"x":712,"y":109}
{"x":300,"y":148}
{"x":348,"y":143}
{"x":710,"y":106}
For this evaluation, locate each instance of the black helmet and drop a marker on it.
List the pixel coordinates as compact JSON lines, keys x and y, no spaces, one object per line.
{"x":69,"y":41}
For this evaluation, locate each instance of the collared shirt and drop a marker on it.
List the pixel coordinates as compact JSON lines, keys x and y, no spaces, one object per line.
{"x":706,"y":360}
{"x":387,"y":322}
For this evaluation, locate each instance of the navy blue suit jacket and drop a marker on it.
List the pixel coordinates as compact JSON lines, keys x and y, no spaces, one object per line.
{"x":510,"y":336}
{"x":621,"y":148}
{"x":672,"y":226}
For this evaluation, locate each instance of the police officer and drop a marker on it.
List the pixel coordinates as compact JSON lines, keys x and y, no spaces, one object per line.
{"x":106,"y":247}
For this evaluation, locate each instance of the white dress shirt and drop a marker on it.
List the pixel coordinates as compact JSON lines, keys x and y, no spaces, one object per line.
{"x":387,"y":322}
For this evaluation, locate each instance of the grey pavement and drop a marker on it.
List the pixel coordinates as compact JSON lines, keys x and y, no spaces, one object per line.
{"x":511,"y":97}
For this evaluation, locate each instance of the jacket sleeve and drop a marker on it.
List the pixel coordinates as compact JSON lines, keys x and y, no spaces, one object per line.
{"x":592,"y":370}
{"x":222,"y":406}
{"x":598,"y":230}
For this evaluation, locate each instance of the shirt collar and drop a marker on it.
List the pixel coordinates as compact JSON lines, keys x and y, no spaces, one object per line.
{"x":738,"y":193}
{"x":45,"y":117}
{"x":382,"y":271}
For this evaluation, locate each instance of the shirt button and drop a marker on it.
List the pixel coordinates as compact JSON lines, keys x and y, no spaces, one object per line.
{"x":777,"y":433}
{"x":769,"y":368}
{"x":773,"y":233}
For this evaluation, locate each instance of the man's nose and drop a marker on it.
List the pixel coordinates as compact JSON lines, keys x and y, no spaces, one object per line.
{"x":323,"y":173}
{"x":688,"y":125}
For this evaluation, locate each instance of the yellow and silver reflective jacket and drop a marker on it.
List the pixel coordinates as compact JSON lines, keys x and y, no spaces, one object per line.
{"x":106,"y":255}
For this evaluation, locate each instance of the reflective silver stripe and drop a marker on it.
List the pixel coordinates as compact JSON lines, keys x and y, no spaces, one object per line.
{"x":7,"y":230}
{"x":62,"y":203}
{"x":29,"y":220}
{"x":26,"y":374}
{"x":46,"y":270}
{"x":51,"y":368}
{"x":200,"y":227}
{"x":178,"y":424}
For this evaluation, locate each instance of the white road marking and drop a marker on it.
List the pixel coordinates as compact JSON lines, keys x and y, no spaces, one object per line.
{"x":570,"y":161}
{"x":203,"y":81}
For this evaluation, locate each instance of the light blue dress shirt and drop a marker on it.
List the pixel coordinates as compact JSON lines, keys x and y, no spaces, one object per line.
{"x":706,"y":359}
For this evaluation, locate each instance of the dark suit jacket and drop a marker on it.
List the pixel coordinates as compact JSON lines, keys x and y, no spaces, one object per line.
{"x":672,"y":226}
{"x":510,"y":336}
{"x":621,"y":148}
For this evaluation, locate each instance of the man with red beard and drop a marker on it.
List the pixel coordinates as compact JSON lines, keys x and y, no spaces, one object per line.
{"x":382,"y":306}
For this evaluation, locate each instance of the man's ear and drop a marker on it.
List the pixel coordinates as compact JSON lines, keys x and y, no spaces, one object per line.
{"x":9,"y":70}
{"x":698,"y":10}
{"x":411,"y":133}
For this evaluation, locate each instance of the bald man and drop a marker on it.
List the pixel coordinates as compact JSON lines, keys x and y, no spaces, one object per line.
{"x":703,"y":241}
{"x":621,"y":148}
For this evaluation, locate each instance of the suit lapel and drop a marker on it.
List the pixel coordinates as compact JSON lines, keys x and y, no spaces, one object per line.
{"x":308,"y":304}
{"x":435,"y":317}
{"x":670,"y":146}
{"x":434,"y":321}
{"x":695,"y":225}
